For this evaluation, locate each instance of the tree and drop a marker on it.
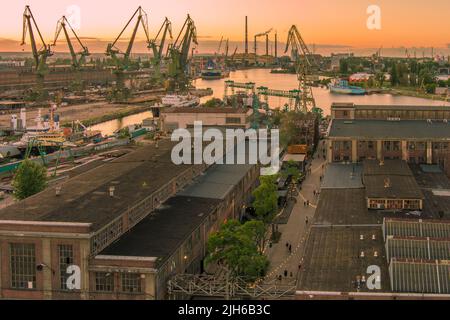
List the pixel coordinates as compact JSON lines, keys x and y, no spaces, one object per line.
{"x":239,"y":248}
{"x":394,"y":75}
{"x":30,"y":178}
{"x":266,"y":199}
{"x":292,"y":170}
{"x":214,"y":102}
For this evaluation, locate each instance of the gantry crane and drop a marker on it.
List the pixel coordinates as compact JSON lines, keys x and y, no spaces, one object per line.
{"x":158,"y":56}
{"x":40,"y":56}
{"x":112,"y":51}
{"x":178,"y":53}
{"x":61,"y":26}
{"x":264,"y":34}
{"x":303,"y":66}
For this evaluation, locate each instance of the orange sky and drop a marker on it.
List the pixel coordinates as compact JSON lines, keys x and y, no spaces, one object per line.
{"x":404,"y":22}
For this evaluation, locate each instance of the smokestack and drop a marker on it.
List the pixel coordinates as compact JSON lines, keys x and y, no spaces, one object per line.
{"x":267,"y":45}
{"x":246,"y":36}
{"x":276,"y":45}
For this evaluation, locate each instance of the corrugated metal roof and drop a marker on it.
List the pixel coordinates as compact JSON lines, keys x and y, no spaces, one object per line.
{"x":417,"y":248}
{"x":417,"y":228}
{"x":420,"y":276}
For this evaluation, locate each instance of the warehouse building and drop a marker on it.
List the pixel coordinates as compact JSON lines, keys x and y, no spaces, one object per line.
{"x":416,"y":134}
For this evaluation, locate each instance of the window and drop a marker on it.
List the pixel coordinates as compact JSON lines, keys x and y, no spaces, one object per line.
{"x":23,"y":266}
{"x":104,"y":282}
{"x":233,"y":120}
{"x":131,"y":282}
{"x":65,"y":259}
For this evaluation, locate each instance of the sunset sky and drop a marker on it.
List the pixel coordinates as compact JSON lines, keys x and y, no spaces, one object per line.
{"x":332,"y":22}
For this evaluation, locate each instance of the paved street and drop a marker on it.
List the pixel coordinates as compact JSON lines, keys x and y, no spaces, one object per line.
{"x":296,"y":230}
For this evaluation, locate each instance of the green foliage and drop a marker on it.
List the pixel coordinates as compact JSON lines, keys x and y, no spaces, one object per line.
{"x":430,"y":88}
{"x":30,"y":178}
{"x":124,"y":133}
{"x":292,"y":169}
{"x":266,"y":199}
{"x":239,"y":248}
{"x":214,"y":102}
{"x":394,"y":75}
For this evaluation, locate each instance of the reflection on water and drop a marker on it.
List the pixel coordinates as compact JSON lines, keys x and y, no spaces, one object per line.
{"x":263,"y":77}
{"x":324,"y":99}
{"x":107,"y":128}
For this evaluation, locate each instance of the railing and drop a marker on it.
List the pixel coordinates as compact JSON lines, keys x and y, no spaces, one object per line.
{"x":229,"y":288}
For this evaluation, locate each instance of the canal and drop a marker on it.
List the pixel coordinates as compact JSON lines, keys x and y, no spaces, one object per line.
{"x":324,"y":99}
{"x":263,"y":77}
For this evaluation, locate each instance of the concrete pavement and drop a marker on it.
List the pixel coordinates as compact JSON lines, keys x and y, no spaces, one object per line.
{"x":295,"y":232}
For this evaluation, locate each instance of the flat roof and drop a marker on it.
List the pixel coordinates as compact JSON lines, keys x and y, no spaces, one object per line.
{"x":85,"y":197}
{"x":386,"y":167}
{"x":217,"y":182}
{"x":345,"y":207}
{"x":333,"y":261}
{"x":294,"y":157}
{"x":384,"y":129}
{"x":160,"y":234}
{"x":390,"y":179}
{"x":207,"y":110}
{"x":345,"y":105}
{"x":347,"y":176}
{"x":398,"y":187}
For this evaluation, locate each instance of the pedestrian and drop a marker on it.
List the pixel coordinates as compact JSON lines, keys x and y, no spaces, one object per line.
{"x":307,"y":203}
{"x":314,"y":192}
{"x":291,"y":274}
{"x":285,"y":273}
{"x":299,"y":266}
{"x":306,"y":220}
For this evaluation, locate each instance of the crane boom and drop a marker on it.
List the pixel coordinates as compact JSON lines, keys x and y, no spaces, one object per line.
{"x":165,"y":29}
{"x":40,"y":56}
{"x":113,"y":51}
{"x":61,"y":26}
{"x":302,"y":62}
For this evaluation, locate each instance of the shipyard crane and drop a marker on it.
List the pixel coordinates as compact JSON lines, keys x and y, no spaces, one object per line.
{"x":220,"y":45}
{"x":303,"y":66}
{"x":113,"y":51}
{"x":264,"y":34}
{"x":40,"y":55}
{"x":62,"y":26}
{"x":158,"y":57}
{"x":178,"y":53}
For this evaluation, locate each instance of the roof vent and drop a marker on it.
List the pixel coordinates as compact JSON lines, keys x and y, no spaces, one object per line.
{"x":111,"y":191}
{"x":381,"y":163}
{"x":58,"y":191}
{"x":387,"y":183}
{"x":362,"y":255}
{"x":429,"y":121}
{"x":374,"y":237}
{"x":361,"y":237}
{"x":375,"y":254}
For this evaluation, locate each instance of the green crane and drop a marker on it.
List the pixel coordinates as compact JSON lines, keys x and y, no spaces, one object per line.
{"x":122,"y":63}
{"x":178,"y":53}
{"x":77,"y":63}
{"x":40,"y":55}
{"x":158,"y":57}
{"x":303,"y":64}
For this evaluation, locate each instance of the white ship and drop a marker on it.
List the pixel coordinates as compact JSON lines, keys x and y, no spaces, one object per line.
{"x":174,"y":100}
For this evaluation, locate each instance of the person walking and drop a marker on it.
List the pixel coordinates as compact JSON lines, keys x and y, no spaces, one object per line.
{"x":306,"y":220}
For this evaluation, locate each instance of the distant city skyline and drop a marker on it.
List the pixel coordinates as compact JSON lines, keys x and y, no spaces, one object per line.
{"x":338,"y":25}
